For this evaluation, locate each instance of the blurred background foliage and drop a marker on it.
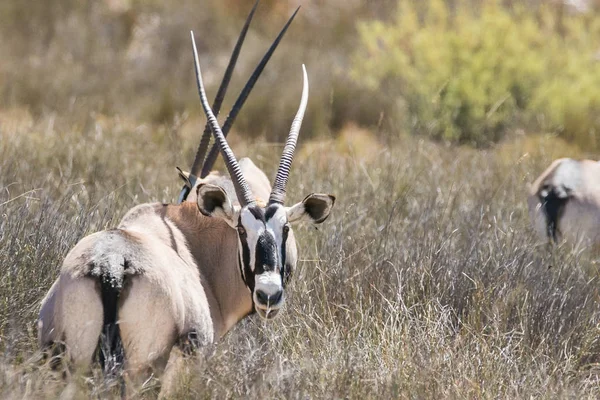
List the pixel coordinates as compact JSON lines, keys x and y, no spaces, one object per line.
{"x":461,"y":71}
{"x":471,"y":74}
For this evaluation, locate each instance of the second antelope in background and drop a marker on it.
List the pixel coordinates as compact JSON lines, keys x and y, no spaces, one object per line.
{"x":181,"y":274}
{"x":564,"y":202}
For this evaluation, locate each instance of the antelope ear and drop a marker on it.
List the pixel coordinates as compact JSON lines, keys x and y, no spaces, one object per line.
{"x":185,"y":176}
{"x":314,"y":208}
{"x":214,"y":202}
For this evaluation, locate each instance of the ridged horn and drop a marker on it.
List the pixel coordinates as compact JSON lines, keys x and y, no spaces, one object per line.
{"x":242,"y":189}
{"x":283,"y":172}
{"x":205,"y":141}
{"x":212,"y":155}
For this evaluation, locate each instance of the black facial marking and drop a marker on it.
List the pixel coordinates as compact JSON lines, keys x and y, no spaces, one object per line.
{"x":270,"y":211}
{"x":245,"y":270}
{"x":266,"y":254}
{"x":258,"y":213}
{"x":285,"y":270}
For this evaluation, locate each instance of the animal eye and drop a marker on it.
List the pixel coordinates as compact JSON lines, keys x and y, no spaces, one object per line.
{"x":241,"y":230}
{"x":286,"y":228}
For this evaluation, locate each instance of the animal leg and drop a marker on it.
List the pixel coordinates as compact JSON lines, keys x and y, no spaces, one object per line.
{"x":177,"y":368}
{"x":81,"y":316}
{"x":148,"y":328}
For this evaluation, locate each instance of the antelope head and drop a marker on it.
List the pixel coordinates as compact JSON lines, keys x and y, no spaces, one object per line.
{"x":266,"y":243}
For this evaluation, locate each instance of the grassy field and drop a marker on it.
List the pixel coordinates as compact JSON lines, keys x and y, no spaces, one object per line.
{"x":425,"y":282}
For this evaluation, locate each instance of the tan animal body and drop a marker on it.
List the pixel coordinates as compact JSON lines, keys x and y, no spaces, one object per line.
{"x":185,"y":274}
{"x":564,"y":202}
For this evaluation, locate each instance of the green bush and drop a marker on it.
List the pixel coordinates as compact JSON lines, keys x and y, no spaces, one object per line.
{"x":466,"y":76}
{"x":568,"y":100}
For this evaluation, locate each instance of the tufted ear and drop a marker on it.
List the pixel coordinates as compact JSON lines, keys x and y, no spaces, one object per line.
{"x":213,"y":201}
{"x":314,"y":208}
{"x":185,"y":176}
{"x":189,"y":181}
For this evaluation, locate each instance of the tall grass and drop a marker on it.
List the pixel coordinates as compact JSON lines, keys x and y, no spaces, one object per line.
{"x":425,"y":282}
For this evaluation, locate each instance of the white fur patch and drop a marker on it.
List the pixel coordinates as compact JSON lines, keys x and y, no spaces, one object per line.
{"x":254,"y":228}
{"x":269,"y":283}
{"x":280,"y":217}
{"x":275,"y":226}
{"x":296,"y":212}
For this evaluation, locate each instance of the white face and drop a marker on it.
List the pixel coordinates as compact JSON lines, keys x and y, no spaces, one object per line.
{"x":267,"y":256}
{"x":263,"y":235}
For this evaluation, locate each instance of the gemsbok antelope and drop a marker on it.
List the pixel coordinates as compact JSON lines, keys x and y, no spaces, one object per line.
{"x":181,"y":275}
{"x":564,"y":202}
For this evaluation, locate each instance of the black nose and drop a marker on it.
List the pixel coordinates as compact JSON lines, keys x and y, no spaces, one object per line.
{"x":265,"y":299}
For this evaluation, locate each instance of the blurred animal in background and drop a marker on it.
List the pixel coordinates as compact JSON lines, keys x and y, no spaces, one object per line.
{"x":564,"y":202}
{"x":181,"y":275}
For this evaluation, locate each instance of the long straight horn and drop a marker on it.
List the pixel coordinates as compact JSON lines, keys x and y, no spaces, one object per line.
{"x":204,"y":142}
{"x":242,"y":189}
{"x":212,"y":155}
{"x":283,"y":172}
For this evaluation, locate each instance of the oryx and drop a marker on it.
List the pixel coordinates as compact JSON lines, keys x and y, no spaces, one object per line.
{"x":179,"y":274}
{"x":564,"y":201}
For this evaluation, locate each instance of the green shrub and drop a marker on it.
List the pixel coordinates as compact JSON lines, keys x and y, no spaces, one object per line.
{"x":466,"y":76}
{"x":568,"y":100}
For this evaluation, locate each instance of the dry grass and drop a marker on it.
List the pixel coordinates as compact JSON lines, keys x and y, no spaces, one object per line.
{"x":426,"y":281}
{"x":121,"y":57}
